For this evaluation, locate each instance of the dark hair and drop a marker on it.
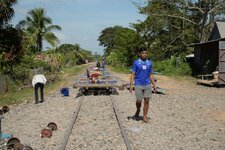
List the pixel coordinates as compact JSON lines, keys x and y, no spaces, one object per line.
{"x":142,"y":49}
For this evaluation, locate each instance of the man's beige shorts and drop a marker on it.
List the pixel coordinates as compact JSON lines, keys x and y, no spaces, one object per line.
{"x":143,"y":92}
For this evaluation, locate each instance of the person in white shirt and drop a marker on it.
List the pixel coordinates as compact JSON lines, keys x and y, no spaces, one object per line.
{"x":39,"y":81}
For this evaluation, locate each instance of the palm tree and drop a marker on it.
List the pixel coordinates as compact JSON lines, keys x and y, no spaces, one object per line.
{"x":38,"y":28}
{"x":6,"y":11}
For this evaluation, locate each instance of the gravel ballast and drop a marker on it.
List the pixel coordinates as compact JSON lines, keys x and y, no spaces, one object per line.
{"x":187,"y":117}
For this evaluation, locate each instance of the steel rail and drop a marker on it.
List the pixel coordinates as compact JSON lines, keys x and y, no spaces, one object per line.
{"x":120,"y":124}
{"x":69,"y":131}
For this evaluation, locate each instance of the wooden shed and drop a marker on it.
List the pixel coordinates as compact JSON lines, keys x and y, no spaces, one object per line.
{"x":210,"y":56}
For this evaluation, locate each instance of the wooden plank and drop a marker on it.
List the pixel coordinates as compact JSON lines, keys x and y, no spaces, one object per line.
{"x":221,"y":44}
{"x":222,"y":67}
{"x":222,"y":78}
{"x":205,"y":76}
{"x":96,"y":85}
{"x":221,"y":62}
{"x":208,"y":82}
{"x":222,"y":55}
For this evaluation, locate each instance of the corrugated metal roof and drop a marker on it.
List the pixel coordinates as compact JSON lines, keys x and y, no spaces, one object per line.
{"x":221,"y":28}
{"x":193,"y":44}
{"x":218,"y":27}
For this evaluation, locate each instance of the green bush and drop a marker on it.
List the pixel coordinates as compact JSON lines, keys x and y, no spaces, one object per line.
{"x":69,"y":60}
{"x":23,"y":71}
{"x":29,"y":62}
{"x":172,"y":66}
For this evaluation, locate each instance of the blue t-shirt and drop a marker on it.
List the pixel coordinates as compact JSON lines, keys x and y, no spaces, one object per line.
{"x":142,"y":70}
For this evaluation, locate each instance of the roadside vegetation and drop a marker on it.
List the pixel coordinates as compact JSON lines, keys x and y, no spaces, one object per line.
{"x":168,"y":30}
{"x":18,"y":94}
{"x":22,"y":55}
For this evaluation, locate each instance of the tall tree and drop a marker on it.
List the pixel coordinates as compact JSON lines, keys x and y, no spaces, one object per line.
{"x":199,"y":14}
{"x":120,"y":44}
{"x":11,"y":50}
{"x":74,"y":53}
{"x":171,"y":25}
{"x":38,"y":27}
{"x":6,"y":11}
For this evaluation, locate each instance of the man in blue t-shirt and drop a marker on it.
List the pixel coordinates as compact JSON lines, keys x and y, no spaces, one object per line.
{"x":142,"y":76}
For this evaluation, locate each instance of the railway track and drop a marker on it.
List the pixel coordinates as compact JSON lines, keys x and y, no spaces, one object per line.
{"x":96,"y":128}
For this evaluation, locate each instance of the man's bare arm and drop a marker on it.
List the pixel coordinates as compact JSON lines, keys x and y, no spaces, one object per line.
{"x":131,"y":81}
{"x":153,"y":82}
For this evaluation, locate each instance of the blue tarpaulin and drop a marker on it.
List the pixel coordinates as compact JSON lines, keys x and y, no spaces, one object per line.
{"x":65,"y":91}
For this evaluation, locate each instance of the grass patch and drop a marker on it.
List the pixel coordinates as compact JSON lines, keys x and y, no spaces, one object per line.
{"x":119,"y":69}
{"x":185,"y":78}
{"x":171,"y":67}
{"x":17,"y":95}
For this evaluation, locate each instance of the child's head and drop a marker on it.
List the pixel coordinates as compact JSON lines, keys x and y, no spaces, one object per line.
{"x":143,"y":52}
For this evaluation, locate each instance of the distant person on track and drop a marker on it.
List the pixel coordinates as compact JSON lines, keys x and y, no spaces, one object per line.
{"x":39,"y":82}
{"x":103,"y":63}
{"x":142,"y":76}
{"x":98,"y":64}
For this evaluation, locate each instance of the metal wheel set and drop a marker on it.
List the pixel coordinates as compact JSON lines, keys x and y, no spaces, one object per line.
{"x":7,"y":141}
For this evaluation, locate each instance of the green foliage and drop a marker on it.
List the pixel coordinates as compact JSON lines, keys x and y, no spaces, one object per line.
{"x":17,"y":95}
{"x":96,"y":57}
{"x":120,"y":69}
{"x":66,"y":48}
{"x":11,"y":50}
{"x":74,"y":54}
{"x":29,"y":62}
{"x":170,"y":26}
{"x":72,"y":70}
{"x":18,"y":49}
{"x":121,"y":44}
{"x":38,"y":27}
{"x":6,"y":11}
{"x":173,"y":66}
{"x":188,"y":18}
{"x":23,"y":70}
{"x":70,"y":59}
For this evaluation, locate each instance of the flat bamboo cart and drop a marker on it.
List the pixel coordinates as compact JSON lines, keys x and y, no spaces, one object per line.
{"x":97,"y":81}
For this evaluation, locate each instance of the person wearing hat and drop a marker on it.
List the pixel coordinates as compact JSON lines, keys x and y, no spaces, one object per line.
{"x":39,"y":82}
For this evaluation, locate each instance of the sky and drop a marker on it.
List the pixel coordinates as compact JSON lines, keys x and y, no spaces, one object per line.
{"x":82,"y":20}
